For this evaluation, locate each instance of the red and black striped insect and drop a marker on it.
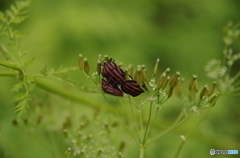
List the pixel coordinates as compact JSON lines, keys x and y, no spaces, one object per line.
{"x":110,"y":88}
{"x":112,"y":72}
{"x":131,"y":87}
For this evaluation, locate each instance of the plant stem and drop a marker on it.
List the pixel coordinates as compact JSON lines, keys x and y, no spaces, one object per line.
{"x":8,"y":73}
{"x":66,"y":94}
{"x":190,"y":133}
{"x":148,"y":124}
{"x":11,"y":66}
{"x":142,"y":149}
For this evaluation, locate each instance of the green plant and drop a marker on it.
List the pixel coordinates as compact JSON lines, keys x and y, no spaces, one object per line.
{"x":138,"y":115}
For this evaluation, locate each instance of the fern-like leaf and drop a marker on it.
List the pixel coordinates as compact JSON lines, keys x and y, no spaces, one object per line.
{"x":17,"y":87}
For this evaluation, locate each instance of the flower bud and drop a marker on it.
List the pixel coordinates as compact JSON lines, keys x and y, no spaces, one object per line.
{"x":80,"y":62}
{"x":155,"y":69}
{"x":166,"y":82}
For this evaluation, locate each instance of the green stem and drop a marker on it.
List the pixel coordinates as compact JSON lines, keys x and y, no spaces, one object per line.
{"x":175,"y":124}
{"x":11,"y":66}
{"x":189,"y":134}
{"x":66,"y":94}
{"x":142,"y":149}
{"x":9,"y":73}
{"x":148,"y":124}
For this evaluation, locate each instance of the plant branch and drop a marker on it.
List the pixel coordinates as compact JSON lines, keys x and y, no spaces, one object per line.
{"x":11,"y":66}
{"x":190,"y":133}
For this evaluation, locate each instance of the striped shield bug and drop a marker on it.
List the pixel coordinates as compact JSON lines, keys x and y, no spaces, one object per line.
{"x":111,"y":89}
{"x":131,"y":87}
{"x":112,"y":72}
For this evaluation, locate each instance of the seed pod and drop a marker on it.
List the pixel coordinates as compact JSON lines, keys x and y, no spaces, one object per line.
{"x":138,"y":77}
{"x":106,"y":58}
{"x":130,"y":70}
{"x":213,"y":100}
{"x":179,"y":88}
{"x":155,"y":69}
{"x":174,"y":79}
{"x":170,"y":91}
{"x":144,"y":74}
{"x":86,"y":66}
{"x":80,"y":62}
{"x":161,"y":81}
{"x":99,"y":68}
{"x":212,"y":88}
{"x":65,"y":133}
{"x":193,"y":85}
{"x":166,"y":82}
{"x":204,"y":93}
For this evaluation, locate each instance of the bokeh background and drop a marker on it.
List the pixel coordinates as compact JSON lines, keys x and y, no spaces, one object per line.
{"x":184,"y":34}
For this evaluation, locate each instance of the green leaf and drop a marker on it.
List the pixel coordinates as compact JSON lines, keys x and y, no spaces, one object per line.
{"x":31,"y":86}
{"x":22,"y":4}
{"x":18,"y":19}
{"x":28,"y":62}
{"x":29,"y":79}
{"x":64,"y":77}
{"x":44,"y":71}
{"x":19,"y":34}
{"x":21,"y":107}
{"x":17,"y":86}
{"x":2,"y":18}
{"x":10,"y":14}
{"x":52,"y":71}
{"x":14,"y":9}
{"x":20,"y":96}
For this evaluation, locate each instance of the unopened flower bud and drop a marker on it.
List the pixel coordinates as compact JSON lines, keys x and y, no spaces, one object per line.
{"x":212,"y":88}
{"x":166,"y":82}
{"x":204,"y":93}
{"x":155,"y":69}
{"x":86,"y":66}
{"x":80,"y":62}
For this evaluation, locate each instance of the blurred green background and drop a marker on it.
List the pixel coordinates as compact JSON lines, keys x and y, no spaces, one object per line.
{"x":184,"y":34}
